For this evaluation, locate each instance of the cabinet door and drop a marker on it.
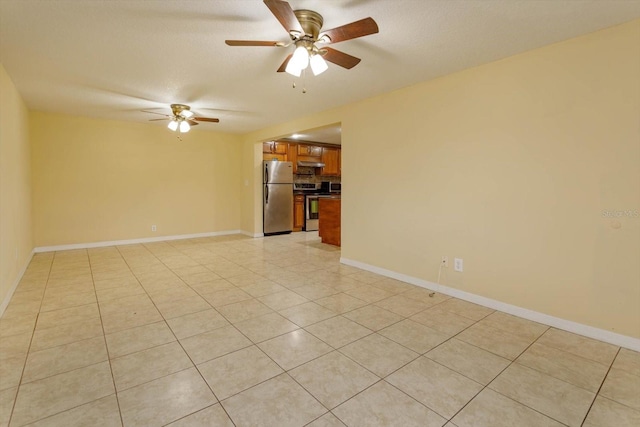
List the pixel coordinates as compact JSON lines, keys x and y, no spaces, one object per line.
{"x":331,"y":160}
{"x":280,"y":147}
{"x":267,"y":147}
{"x":292,"y":156}
{"x":309,"y":150}
{"x":298,"y":212}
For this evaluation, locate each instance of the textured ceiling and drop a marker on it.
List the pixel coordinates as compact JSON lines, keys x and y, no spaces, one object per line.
{"x":111,"y":59}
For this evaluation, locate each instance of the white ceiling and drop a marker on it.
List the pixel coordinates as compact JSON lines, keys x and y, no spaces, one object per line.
{"x":113,"y":58}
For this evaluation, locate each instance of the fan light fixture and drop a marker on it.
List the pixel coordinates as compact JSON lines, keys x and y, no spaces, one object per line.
{"x":178,"y":123}
{"x":318,"y":64}
{"x":306,"y":54}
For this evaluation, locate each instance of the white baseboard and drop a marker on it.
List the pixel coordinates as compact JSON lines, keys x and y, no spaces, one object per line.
{"x":566,"y":325}
{"x":14,"y":286}
{"x":132,"y":241}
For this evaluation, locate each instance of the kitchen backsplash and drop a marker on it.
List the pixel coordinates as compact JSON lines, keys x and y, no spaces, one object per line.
{"x":304,"y":175}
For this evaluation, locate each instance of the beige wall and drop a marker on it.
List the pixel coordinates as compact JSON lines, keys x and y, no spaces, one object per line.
{"x":98,"y":180}
{"x":509,"y":166}
{"x":16,"y":240}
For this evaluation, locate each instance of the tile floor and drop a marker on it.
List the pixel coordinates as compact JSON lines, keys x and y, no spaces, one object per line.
{"x":275,"y":332}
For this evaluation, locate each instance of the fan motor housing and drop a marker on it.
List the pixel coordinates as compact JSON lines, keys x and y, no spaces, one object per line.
{"x":310,"y":21}
{"x":179,"y":108}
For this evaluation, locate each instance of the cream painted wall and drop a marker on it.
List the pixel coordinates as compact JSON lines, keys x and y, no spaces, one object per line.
{"x":98,"y":180}
{"x":509,"y":166}
{"x":16,"y":242}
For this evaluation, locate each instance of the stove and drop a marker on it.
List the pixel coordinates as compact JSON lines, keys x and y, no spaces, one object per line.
{"x":306,"y":187}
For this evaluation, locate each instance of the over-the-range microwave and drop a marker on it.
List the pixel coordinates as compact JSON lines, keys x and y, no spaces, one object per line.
{"x":330,"y":187}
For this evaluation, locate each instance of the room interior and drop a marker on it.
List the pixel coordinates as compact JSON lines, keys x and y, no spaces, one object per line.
{"x":523,"y":162}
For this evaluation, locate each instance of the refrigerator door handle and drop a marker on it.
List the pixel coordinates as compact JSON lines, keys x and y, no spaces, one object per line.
{"x":266,"y":194}
{"x":266,"y":174}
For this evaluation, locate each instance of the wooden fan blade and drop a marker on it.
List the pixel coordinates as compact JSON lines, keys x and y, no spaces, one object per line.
{"x":154,"y":112}
{"x":156,"y":120}
{"x":284,"y":64}
{"x":340,"y":58}
{"x":363,"y":27}
{"x":251,"y":43}
{"x":206,"y":119}
{"x":192,"y":122}
{"x":283,"y":13}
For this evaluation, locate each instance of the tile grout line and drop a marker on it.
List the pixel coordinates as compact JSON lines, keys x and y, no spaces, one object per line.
{"x":104,"y":338}
{"x":595,"y":397}
{"x":181,"y":345}
{"x":35,"y":325}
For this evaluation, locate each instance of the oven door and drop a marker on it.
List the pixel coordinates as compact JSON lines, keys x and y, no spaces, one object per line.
{"x":311,"y":213}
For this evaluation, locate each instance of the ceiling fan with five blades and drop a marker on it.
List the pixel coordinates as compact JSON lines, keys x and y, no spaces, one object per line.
{"x":182,"y":118}
{"x":304,"y":28}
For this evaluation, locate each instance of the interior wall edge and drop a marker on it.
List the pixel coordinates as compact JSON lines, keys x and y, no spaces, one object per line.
{"x":102,"y":244}
{"x":251,"y":234}
{"x":16,"y":282}
{"x":535,"y":316}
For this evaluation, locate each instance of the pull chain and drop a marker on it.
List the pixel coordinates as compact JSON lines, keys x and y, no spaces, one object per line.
{"x":304,"y":81}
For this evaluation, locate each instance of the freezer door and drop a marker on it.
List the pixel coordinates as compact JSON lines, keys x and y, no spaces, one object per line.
{"x":277,"y":172}
{"x":278,"y":208}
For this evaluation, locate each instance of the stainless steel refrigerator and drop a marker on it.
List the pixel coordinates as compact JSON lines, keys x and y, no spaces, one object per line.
{"x":277,"y":197}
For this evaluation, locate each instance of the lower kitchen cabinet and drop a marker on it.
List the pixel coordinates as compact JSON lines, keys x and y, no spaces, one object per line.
{"x":329,"y":228}
{"x":298,"y":212}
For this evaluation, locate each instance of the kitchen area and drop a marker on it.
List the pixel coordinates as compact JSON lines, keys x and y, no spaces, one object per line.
{"x":302,"y":188}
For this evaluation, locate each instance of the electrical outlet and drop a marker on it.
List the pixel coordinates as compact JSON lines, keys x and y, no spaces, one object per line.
{"x":445,"y":261}
{"x":457,"y":264}
{"x":153,"y":228}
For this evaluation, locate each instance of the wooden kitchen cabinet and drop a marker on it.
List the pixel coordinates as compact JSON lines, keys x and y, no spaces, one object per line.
{"x":329,"y":227}
{"x":292,"y":156}
{"x":298,"y":212}
{"x":309,"y":150}
{"x":275,"y":150}
{"x":331,"y":159}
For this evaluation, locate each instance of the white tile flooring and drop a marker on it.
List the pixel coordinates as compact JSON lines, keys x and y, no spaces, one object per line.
{"x":275,"y":332}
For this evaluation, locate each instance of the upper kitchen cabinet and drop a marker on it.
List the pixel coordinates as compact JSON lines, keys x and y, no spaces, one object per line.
{"x":273,"y":150}
{"x":331,"y":159}
{"x":292,"y":156}
{"x":309,"y":151}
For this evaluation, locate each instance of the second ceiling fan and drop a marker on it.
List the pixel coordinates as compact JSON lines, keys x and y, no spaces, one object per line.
{"x":182,"y":118}
{"x":304,"y":29}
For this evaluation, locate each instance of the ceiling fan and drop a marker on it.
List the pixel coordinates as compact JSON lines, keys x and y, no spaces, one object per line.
{"x":182,"y":118}
{"x":304,"y":28}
